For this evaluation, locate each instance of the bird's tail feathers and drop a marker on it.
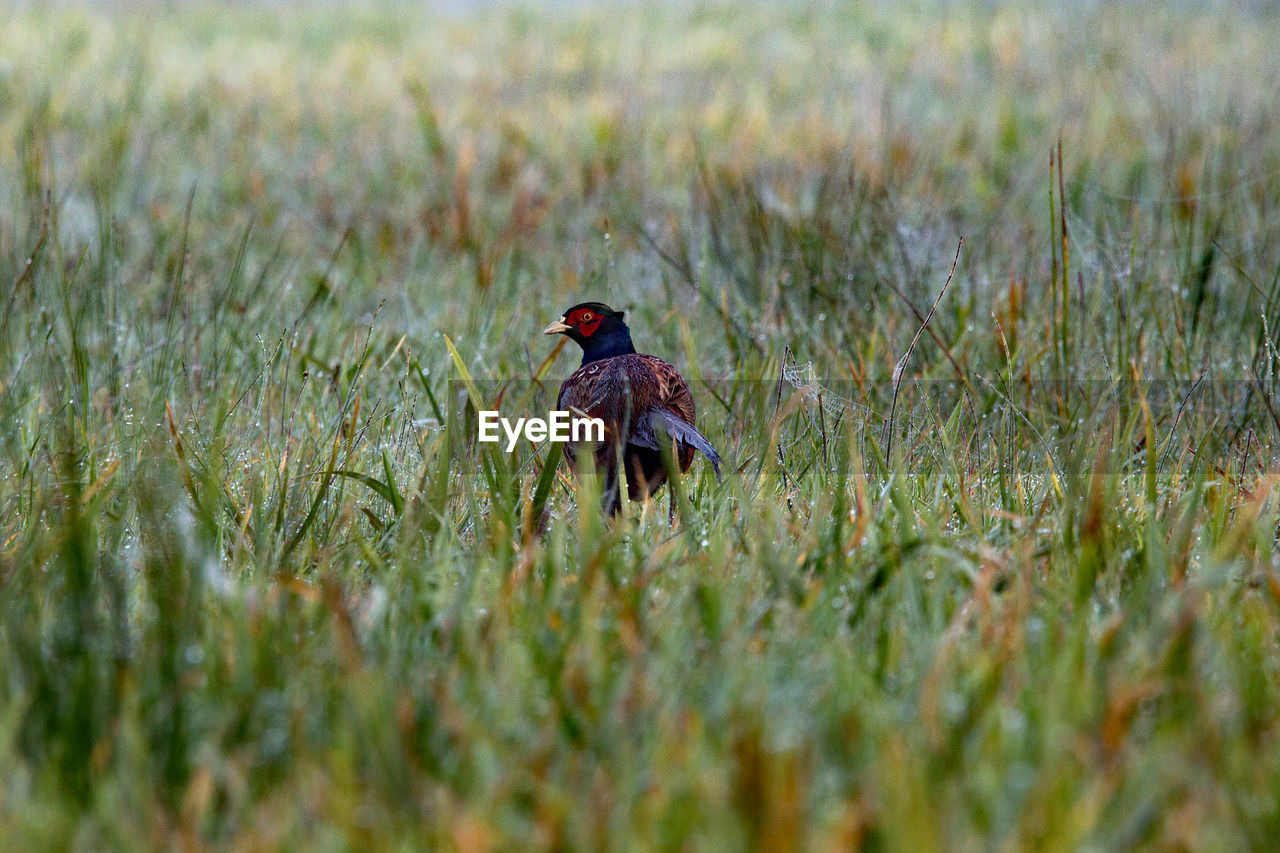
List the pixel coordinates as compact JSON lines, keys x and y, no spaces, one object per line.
{"x":679,"y":429}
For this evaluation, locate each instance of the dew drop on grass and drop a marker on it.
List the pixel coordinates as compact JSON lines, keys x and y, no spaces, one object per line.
{"x":1013,"y":721}
{"x":1022,"y":775}
{"x":274,"y":741}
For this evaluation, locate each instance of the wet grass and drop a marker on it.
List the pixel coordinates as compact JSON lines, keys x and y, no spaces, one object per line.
{"x":260,"y":588}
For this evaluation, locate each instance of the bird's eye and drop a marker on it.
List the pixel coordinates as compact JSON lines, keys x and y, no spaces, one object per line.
{"x":585,"y":317}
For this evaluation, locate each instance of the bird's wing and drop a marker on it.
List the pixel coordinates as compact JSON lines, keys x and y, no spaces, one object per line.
{"x":641,"y":395}
{"x":671,"y":391}
{"x":672,"y":413}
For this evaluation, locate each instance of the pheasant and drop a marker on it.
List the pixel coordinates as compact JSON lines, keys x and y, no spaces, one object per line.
{"x":642,"y":400}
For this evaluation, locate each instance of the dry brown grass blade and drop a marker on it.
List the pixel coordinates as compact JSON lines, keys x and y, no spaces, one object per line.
{"x":902,"y":362}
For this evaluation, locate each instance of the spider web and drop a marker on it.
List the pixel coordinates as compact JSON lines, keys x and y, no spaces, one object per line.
{"x":835,"y":407}
{"x":803,"y":379}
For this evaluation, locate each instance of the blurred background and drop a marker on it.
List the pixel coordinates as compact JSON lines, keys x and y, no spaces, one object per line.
{"x":260,"y":262}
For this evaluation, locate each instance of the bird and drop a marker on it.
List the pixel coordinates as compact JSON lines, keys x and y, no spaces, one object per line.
{"x":642,"y":400}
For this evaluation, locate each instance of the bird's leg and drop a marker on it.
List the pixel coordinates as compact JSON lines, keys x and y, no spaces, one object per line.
{"x":674,"y":484}
{"x":636,"y":477}
{"x":618,"y":479}
{"x":611,"y":500}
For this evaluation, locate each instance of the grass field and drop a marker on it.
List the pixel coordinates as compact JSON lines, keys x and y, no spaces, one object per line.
{"x":261,"y":589}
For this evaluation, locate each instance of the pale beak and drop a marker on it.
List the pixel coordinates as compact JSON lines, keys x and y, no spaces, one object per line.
{"x":556,"y":328}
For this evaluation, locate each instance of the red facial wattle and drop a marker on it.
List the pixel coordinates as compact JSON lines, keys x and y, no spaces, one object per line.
{"x":586,"y":322}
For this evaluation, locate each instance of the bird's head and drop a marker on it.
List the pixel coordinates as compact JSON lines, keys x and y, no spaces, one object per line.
{"x":595,"y":327}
